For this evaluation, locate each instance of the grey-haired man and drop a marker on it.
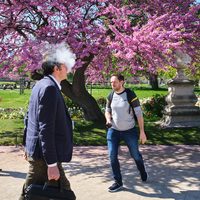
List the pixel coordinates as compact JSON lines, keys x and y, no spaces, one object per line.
{"x":48,"y":136}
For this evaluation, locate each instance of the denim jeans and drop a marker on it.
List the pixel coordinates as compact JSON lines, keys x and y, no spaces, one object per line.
{"x":131,"y":139}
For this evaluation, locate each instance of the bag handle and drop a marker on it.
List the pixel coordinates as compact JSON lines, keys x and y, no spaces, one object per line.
{"x":59,"y":185}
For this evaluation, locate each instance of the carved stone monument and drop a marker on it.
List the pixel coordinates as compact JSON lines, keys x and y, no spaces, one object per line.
{"x":181,"y":99}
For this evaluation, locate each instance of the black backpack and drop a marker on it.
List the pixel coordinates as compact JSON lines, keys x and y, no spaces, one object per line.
{"x":128,"y":92}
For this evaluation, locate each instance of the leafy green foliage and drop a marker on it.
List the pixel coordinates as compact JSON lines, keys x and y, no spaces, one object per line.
{"x":192,"y":76}
{"x":70,"y":103}
{"x":101,"y":101}
{"x":154,"y":105}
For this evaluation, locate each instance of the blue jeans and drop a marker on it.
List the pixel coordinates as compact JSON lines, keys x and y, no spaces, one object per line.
{"x":131,"y":139}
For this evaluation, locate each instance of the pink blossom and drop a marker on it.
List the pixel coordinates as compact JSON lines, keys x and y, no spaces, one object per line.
{"x":97,"y":31}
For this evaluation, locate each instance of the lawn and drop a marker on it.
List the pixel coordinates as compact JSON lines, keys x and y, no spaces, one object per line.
{"x":9,"y":129}
{"x":94,"y":133}
{"x":140,"y":93}
{"x":91,"y":133}
{"x":12,"y":98}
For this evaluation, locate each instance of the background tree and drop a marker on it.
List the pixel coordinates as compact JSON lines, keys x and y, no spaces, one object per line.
{"x":194,"y":76}
{"x":142,"y":35}
{"x":171,"y":72}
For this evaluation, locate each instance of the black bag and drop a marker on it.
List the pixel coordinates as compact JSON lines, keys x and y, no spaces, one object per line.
{"x":38,"y":192}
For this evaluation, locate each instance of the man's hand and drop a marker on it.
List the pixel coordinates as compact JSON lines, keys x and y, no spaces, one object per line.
{"x":53,"y":173}
{"x":143,"y":137}
{"x":109,"y":125}
{"x":108,"y":118}
{"x":25,"y":156}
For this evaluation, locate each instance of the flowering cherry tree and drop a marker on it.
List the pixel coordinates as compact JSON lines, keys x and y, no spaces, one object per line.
{"x":139,"y":36}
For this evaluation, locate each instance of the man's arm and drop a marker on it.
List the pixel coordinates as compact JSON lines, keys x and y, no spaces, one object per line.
{"x":47,"y":113}
{"x":25,"y":128}
{"x":139,"y":115}
{"x":108,"y":117}
{"x":108,"y":111}
{"x":143,"y":137}
{"x":138,"y":112}
{"x":24,"y":136}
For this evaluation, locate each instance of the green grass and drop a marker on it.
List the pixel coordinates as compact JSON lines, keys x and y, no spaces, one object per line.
{"x":93,"y":133}
{"x":140,"y":93}
{"x":12,"y":98}
{"x":9,"y":129}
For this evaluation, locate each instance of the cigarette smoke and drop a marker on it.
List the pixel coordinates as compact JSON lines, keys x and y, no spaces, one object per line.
{"x":60,"y":53}
{"x":65,"y":56}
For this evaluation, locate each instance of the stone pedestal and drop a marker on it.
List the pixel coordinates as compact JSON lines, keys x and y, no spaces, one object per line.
{"x":181,"y":110}
{"x":181,"y":99}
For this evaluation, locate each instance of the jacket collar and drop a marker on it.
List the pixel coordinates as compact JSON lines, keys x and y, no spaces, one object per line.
{"x":55,"y":81}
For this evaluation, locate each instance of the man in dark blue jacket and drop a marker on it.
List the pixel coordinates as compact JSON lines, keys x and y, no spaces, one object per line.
{"x":48,"y":137}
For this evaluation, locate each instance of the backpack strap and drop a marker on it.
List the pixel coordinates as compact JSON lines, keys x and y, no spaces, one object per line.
{"x":110,"y":98}
{"x":128,"y":92}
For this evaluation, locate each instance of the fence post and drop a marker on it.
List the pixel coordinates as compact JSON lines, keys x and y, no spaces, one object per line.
{"x":91,"y":89}
{"x":16,"y":141}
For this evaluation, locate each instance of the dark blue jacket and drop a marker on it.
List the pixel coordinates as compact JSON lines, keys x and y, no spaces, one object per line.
{"x":48,"y":126}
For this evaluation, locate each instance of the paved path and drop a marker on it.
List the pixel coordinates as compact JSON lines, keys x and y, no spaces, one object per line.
{"x":174,"y":173}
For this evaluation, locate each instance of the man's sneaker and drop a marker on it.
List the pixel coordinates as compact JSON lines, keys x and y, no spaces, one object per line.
{"x":144,"y":176}
{"x":116,"y":186}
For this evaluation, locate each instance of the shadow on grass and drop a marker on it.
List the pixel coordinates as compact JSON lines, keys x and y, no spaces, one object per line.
{"x":94,"y":133}
{"x":89,"y":133}
{"x":10,"y":138}
{"x":161,"y":136}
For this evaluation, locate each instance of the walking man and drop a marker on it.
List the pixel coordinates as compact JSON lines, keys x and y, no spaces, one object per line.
{"x":120,"y":117}
{"x":48,"y":135}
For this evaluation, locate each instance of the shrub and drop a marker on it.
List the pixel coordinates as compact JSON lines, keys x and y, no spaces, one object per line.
{"x":101,"y":101}
{"x":76,"y":113}
{"x":12,"y":114}
{"x":154,"y":105}
{"x":198,"y":101}
{"x":74,"y":109}
{"x":69,"y":103}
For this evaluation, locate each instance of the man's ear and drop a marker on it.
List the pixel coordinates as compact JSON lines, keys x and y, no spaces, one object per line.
{"x":55,"y":68}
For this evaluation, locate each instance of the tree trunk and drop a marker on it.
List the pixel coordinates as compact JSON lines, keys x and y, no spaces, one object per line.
{"x":154,"y":83}
{"x":78,"y":93}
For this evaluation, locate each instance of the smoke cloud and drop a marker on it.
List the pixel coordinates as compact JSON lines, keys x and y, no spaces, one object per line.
{"x":65,"y":56}
{"x":60,"y":53}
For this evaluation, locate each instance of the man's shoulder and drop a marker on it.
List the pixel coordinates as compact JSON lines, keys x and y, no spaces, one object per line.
{"x":128,"y":90}
{"x":110,"y":95}
{"x":45,"y":82}
{"x":131,"y":93}
{"x":44,"y":86}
